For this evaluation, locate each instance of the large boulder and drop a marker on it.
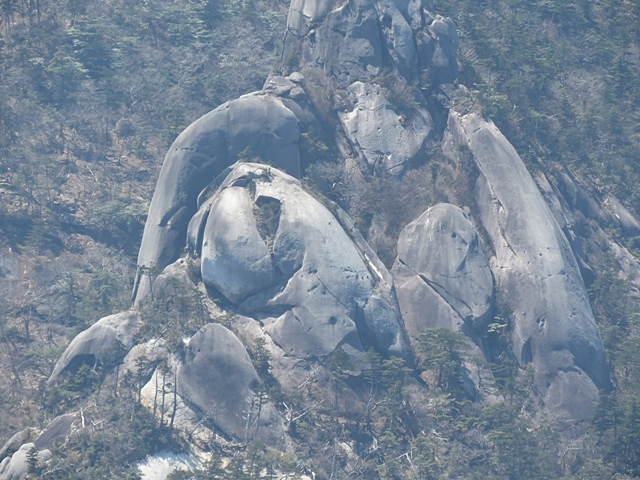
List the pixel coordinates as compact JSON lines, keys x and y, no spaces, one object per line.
{"x":15,"y":442}
{"x":102,"y":341}
{"x":441,"y":274}
{"x":255,"y":126}
{"x":218,"y":378}
{"x":16,"y":467}
{"x":552,"y":325}
{"x":281,"y":256}
{"x":236,"y":260}
{"x":287,"y":260}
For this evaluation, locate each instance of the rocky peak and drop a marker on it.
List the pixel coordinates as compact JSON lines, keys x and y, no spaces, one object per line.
{"x":289,"y":268}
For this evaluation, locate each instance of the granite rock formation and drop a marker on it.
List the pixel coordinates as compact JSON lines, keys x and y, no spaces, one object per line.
{"x":16,"y":467}
{"x":254,"y":126}
{"x":537,"y":275}
{"x":218,"y":378}
{"x":291,"y":269}
{"x":442,"y":274}
{"x":281,"y":257}
{"x":109,"y":336}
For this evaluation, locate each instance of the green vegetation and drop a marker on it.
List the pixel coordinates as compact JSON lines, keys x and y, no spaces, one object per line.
{"x":91,"y":95}
{"x":560,"y":79}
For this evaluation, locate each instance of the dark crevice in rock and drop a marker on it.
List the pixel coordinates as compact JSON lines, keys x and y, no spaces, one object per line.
{"x":196,"y":247}
{"x":436,"y":286}
{"x":331,"y":293}
{"x":432,"y":285}
{"x":526,"y":356}
{"x":267,"y":215}
{"x":365,"y":334}
{"x":266,"y":311}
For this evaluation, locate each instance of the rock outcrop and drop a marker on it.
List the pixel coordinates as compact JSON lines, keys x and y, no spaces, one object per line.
{"x":299,"y":275}
{"x":291,"y":270}
{"x":254,"y":126}
{"x":536,"y":274}
{"x":108,"y":338}
{"x":15,"y":442}
{"x":16,"y":467}
{"x":583,"y":217}
{"x":283,"y":258}
{"x":375,"y":52}
{"x":218,"y":378}
{"x":355,"y":40}
{"x":386,"y":138}
{"x":441,"y":274}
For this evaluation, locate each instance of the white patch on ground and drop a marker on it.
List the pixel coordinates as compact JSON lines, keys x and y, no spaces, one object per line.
{"x":162,"y":464}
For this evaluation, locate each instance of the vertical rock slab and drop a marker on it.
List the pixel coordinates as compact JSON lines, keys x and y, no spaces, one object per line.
{"x":536,"y":273}
{"x":441,"y":274}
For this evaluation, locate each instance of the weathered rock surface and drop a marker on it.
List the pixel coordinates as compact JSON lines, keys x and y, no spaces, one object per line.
{"x":253,"y":126}
{"x":57,"y":430}
{"x":295,"y":270}
{"x":218,"y":378}
{"x":174,"y":280}
{"x":345,"y":39}
{"x":16,"y":467}
{"x":235,"y":258}
{"x":282,"y":257}
{"x":386,"y":138}
{"x":441,"y":274}
{"x":582,"y":226}
{"x":14,"y":443}
{"x":354,"y":40}
{"x":570,"y":221}
{"x":358,"y":42}
{"x":608,"y":211}
{"x":536,"y":273}
{"x":97,"y":342}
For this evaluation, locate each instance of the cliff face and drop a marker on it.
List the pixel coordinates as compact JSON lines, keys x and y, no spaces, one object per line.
{"x":231,"y":220}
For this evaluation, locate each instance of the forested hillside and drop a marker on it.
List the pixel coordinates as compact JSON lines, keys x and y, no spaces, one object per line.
{"x":561,"y":80}
{"x":92,"y":94}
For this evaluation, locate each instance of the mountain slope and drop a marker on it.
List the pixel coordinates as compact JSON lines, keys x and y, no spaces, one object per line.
{"x":372,"y":73}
